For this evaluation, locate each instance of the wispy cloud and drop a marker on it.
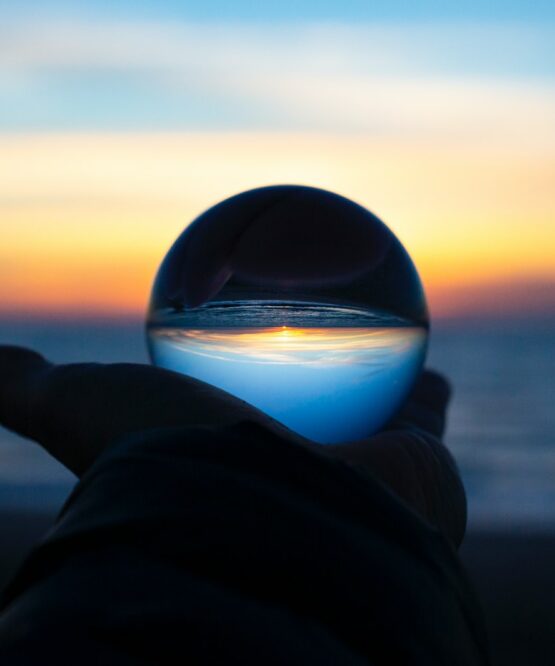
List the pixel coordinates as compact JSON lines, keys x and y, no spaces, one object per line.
{"x":380,"y":79}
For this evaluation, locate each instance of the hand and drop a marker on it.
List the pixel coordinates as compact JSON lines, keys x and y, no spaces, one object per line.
{"x":76,"y":411}
{"x":409,"y":457}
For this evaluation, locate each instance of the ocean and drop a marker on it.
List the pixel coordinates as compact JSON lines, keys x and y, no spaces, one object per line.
{"x":501,"y":426}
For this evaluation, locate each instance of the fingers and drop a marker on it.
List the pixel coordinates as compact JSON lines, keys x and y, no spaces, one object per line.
{"x":417,"y":468}
{"x":409,"y":457}
{"x":432,"y":389}
{"x":421,"y":470}
{"x":426,"y":407}
{"x":410,"y":447}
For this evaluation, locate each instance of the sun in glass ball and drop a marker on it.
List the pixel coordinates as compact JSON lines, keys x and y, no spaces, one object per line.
{"x":298,"y":301}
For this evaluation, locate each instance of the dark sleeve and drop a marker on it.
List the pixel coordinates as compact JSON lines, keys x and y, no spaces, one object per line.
{"x":237,"y":547}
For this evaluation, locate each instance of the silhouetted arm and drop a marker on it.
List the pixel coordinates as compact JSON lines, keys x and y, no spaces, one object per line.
{"x":77,"y":411}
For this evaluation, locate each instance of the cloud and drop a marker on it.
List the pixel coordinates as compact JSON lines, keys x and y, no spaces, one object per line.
{"x":466,"y":80}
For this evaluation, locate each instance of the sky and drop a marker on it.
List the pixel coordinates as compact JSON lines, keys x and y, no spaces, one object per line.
{"x":121,"y":122}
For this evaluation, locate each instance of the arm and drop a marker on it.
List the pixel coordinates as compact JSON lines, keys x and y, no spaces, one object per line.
{"x":76,"y":411}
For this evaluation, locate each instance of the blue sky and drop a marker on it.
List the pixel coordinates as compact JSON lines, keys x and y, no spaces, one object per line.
{"x":346,"y":10}
{"x":312,"y":66}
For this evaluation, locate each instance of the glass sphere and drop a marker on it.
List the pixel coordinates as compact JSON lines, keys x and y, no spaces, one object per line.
{"x":300,"y":302}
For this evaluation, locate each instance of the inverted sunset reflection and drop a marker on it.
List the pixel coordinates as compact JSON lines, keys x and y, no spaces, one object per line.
{"x":329,"y":384}
{"x":313,"y":346}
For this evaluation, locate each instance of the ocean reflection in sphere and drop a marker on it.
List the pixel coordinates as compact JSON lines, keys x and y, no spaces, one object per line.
{"x":298,"y":301}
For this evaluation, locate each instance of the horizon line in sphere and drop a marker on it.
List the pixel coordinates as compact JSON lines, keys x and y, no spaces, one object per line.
{"x":113,"y":316}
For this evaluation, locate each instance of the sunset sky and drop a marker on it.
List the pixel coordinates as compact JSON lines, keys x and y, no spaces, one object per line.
{"x":119,"y":125}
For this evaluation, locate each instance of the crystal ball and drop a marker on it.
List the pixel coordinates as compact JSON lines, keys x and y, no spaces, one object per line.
{"x":298,"y":301}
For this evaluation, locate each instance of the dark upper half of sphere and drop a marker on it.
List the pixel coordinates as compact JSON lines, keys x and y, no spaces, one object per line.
{"x":290,"y":242}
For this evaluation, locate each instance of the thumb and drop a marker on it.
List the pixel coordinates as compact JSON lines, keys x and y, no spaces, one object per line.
{"x":76,"y":411}
{"x":20,"y":372}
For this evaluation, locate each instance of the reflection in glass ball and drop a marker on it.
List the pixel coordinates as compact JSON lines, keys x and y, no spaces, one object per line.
{"x":298,"y":301}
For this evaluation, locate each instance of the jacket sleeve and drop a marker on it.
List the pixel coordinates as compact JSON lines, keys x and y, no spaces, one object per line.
{"x":235,"y":546}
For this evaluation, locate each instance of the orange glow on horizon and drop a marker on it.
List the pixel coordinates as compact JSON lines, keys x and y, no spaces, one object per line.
{"x":86,"y":219}
{"x":277,"y":345}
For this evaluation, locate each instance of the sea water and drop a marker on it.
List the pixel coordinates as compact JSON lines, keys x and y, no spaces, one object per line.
{"x":331,"y":373}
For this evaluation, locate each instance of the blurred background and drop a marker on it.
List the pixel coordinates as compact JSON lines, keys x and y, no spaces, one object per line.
{"x":120,"y":122}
